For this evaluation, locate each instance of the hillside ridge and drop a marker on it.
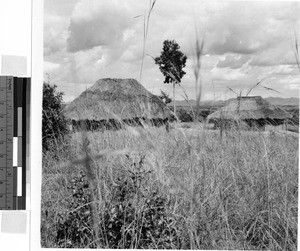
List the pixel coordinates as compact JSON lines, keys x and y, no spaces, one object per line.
{"x":273,"y":100}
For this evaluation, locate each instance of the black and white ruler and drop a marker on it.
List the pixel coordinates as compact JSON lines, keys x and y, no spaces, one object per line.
{"x":14,"y":108}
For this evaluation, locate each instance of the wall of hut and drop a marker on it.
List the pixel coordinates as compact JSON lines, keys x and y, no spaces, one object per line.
{"x":114,"y":124}
{"x":246,"y":124}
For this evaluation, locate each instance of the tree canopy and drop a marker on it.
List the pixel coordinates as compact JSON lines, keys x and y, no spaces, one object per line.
{"x":171,"y":62}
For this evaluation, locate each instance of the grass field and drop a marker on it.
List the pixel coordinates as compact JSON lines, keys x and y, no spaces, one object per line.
{"x":186,"y":189}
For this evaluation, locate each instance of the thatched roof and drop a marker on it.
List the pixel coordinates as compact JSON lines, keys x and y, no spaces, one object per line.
{"x":116,"y":99}
{"x":254,"y":107}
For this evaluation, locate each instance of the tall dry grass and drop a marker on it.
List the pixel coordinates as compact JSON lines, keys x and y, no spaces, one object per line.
{"x":146,"y":23}
{"x":199,"y":46}
{"x":196,"y":192}
{"x":296,"y":49}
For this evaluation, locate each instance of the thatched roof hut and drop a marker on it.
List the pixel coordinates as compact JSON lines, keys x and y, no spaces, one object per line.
{"x":250,"y":109}
{"x":116,"y":99}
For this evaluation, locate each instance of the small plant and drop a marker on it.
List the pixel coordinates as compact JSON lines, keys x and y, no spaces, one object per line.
{"x":184,"y":115}
{"x":165,"y":97}
{"x":135,"y":217}
{"x":74,"y":230}
{"x":138,"y":215}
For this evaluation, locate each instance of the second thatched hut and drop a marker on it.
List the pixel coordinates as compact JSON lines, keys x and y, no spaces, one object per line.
{"x":254,"y":112}
{"x":112,"y":103}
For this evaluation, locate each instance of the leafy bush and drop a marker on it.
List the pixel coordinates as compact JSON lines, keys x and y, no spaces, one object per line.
{"x":165,"y":97}
{"x":133,"y":218}
{"x":75,"y":229}
{"x":54,"y":122}
{"x":184,"y":115}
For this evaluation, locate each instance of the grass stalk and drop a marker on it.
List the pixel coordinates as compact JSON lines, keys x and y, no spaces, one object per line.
{"x":199,"y":46}
{"x":91,"y":177}
{"x":145,"y":32}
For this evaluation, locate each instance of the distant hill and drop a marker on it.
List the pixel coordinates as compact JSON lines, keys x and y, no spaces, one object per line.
{"x":272,"y":100}
{"x":192,"y":102}
{"x":283,"y":101}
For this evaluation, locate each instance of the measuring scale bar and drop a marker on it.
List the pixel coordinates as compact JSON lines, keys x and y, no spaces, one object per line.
{"x":13,"y":132}
{"x":6,"y":142}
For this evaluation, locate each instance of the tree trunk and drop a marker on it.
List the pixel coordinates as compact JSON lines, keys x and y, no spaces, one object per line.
{"x":174,"y":106}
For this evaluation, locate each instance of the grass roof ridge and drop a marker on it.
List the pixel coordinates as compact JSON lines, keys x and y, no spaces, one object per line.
{"x":115,"y":97}
{"x":250,"y":107}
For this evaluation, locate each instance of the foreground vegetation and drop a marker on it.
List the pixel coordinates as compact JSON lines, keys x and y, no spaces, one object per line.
{"x":146,"y":188}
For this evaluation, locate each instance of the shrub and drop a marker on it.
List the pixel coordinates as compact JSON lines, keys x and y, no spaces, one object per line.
{"x":75,"y":229}
{"x":165,"y":97}
{"x":54,"y":122}
{"x":133,"y":218}
{"x":184,"y":115}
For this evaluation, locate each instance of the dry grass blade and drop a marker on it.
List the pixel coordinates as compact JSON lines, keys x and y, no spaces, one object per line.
{"x":150,"y":56}
{"x":254,"y":86}
{"x":197,"y":67}
{"x":239,"y":102}
{"x":213,"y":85}
{"x":81,"y":160}
{"x":144,"y":45}
{"x":186,"y":98}
{"x":152,"y":5}
{"x":137,"y":16}
{"x":297,"y":56}
{"x":230,"y":89}
{"x":146,"y":28}
{"x":270,"y":89}
{"x":297,"y":60}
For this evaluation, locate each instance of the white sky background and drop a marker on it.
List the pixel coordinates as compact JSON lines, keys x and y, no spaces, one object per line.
{"x":85,"y":40}
{"x":15,"y":28}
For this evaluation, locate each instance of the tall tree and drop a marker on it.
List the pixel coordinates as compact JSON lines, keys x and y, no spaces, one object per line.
{"x":171,"y":62}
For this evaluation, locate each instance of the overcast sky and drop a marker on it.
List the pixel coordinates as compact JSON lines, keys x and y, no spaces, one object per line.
{"x":85,"y":40}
